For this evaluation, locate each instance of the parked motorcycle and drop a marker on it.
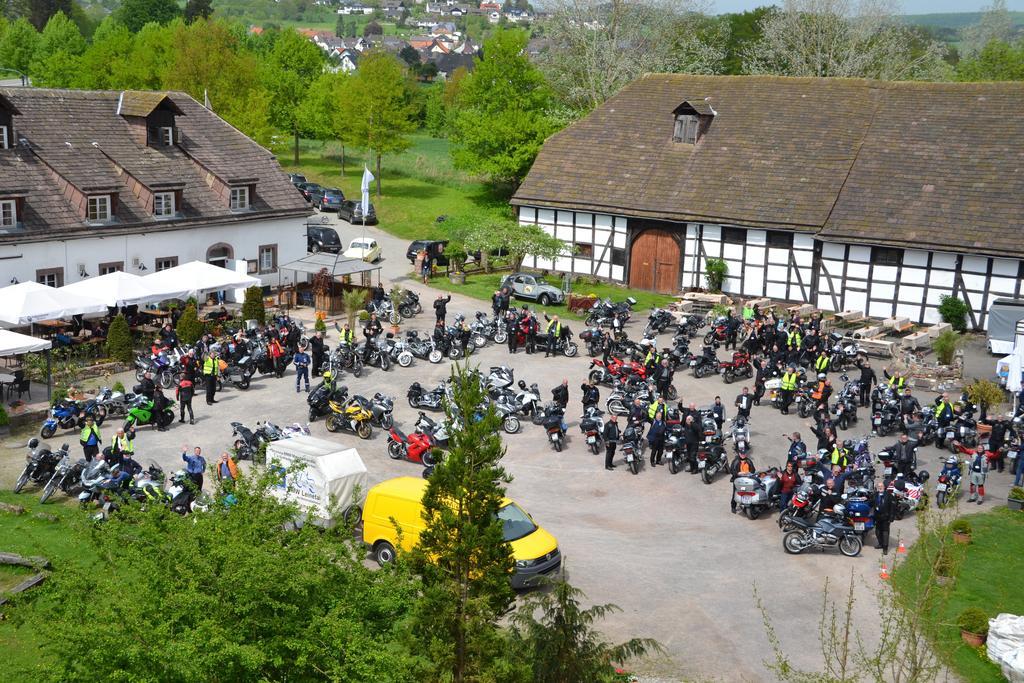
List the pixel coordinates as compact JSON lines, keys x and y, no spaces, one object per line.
{"x":431,"y":400}
{"x":378,"y":357}
{"x":40,"y":463}
{"x":658,"y":321}
{"x":380,"y":407}
{"x":603,"y":313}
{"x":553,"y":420}
{"x":64,"y":414}
{"x":142,"y":412}
{"x":706,"y":363}
{"x":349,"y":416}
{"x":438,"y":429}
{"x":415,"y":447}
{"x":947,"y":488}
{"x":829,"y":531}
{"x":112,"y":402}
{"x":632,"y":447}
{"x":563,"y":344}
{"x":803,"y":505}
{"x":738,"y":367}
{"x":592,"y":425}
{"x":756,"y":493}
{"x":66,"y":475}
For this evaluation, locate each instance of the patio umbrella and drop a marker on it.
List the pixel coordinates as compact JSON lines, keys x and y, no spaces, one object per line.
{"x":124,"y":289}
{"x":200,"y":278}
{"x":29,"y":302}
{"x":15,"y":344}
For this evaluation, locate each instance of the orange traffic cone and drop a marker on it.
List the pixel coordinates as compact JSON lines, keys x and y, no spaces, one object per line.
{"x":884,"y":574}
{"x":902,"y":548}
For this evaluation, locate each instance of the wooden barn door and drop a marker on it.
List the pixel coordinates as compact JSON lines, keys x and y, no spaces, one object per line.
{"x":654,"y":263}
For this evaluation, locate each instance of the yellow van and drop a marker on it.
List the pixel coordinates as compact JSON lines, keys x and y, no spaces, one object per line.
{"x":534,"y":549}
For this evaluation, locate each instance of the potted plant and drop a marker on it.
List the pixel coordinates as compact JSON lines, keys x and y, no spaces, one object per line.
{"x":943,"y":568}
{"x":961,"y":529}
{"x":456,"y":260}
{"x":973,"y":624}
{"x":1015,"y":501}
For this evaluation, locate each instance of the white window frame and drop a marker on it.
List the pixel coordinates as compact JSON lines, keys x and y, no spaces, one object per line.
{"x":239,"y":199}
{"x":268,"y":251}
{"x":92,"y":213}
{"x":167,"y":135}
{"x":3,"y":138}
{"x":161,"y":201}
{"x":8,"y":213}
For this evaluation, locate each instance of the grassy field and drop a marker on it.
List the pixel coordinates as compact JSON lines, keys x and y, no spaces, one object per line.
{"x":989,"y":578}
{"x":417,"y":185}
{"x":62,"y":542}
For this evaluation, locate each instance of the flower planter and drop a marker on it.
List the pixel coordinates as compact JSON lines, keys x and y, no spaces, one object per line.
{"x":972,"y":639}
{"x":457,"y":278}
{"x":1015,"y":503}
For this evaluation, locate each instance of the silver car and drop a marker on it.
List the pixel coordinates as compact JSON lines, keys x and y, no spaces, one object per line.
{"x":533,"y":288}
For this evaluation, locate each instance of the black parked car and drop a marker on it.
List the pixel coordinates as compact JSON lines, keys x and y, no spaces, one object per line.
{"x":321,"y":238}
{"x":352,"y":212}
{"x":327,"y":199}
{"x":307,"y":190}
{"x":435,"y":248}
{"x":296,"y":178}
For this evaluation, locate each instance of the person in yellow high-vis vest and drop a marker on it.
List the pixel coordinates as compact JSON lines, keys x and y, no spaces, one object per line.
{"x":788,"y":388}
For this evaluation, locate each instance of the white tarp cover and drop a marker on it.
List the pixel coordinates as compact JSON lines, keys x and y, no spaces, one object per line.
{"x":200,"y":278}
{"x":30,"y":302}
{"x":1015,"y":361}
{"x":1003,"y":315}
{"x":1006,"y":645}
{"x":14,"y":344}
{"x":330,"y":478}
{"x":124,"y":289}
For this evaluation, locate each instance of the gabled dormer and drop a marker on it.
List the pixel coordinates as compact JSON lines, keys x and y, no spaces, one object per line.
{"x":151,"y":116}
{"x":692,"y":120}
{"x":7,"y":113}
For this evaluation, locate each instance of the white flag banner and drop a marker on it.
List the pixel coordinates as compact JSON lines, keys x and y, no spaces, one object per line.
{"x":367,"y":179}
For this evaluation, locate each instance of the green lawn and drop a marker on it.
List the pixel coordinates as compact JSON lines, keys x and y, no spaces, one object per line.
{"x":989,"y":579}
{"x":62,"y":542}
{"x":417,"y":185}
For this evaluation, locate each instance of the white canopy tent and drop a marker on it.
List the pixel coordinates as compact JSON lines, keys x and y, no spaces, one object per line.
{"x":200,"y":278}
{"x":29,"y":302}
{"x":124,"y":289}
{"x":15,"y":344}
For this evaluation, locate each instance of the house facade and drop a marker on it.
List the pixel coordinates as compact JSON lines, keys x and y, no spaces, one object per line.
{"x":847,"y":194}
{"x":97,"y":181}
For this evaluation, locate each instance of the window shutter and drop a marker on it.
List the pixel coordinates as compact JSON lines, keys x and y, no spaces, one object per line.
{"x":177,"y":135}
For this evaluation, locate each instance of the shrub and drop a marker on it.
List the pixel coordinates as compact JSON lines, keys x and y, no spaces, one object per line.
{"x":4,"y":419}
{"x":118,"y":386}
{"x":953,"y":311}
{"x":1017,"y":493}
{"x":189,"y":328}
{"x":973,"y":620}
{"x":252,"y":307}
{"x":715,"y":272}
{"x":320,"y":325}
{"x":960,"y":526}
{"x":119,"y":340}
{"x":59,"y":394}
{"x":945,"y":346}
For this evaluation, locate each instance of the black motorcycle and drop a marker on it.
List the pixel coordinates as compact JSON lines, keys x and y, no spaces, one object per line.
{"x":378,"y":356}
{"x":66,"y":476}
{"x":240,"y":373}
{"x":553,"y":426}
{"x":829,"y":531}
{"x":657,"y":322}
{"x":319,"y":399}
{"x":604,"y":313}
{"x":431,"y":400}
{"x":563,"y":344}
{"x":706,"y":363}
{"x":40,"y":464}
{"x":380,"y":407}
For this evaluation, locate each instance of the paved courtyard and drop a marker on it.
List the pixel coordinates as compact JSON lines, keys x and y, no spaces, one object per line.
{"x":662,"y":547}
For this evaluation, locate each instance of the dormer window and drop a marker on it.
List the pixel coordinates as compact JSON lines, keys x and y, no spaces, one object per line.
{"x":8,"y":213}
{"x":4,"y":138}
{"x":692,"y":120}
{"x":686,"y":129}
{"x":98,"y":209}
{"x":239,"y":198}
{"x":167,"y":135}
{"x":163,"y":204}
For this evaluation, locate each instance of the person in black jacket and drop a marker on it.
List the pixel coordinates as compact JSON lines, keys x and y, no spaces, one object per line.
{"x":560,"y":394}
{"x":884,"y":512}
{"x":441,"y":307}
{"x":1001,"y":428}
{"x":868,"y":378}
{"x":591,"y":395}
{"x":512,"y":330}
{"x":611,"y":439}
{"x":692,"y":433}
{"x":831,"y":496}
{"x":904,"y":455}
{"x":743,"y":403}
{"x":316,"y":347}
{"x":372,"y":329}
{"x":663,"y":378}
{"x":760,"y":375}
{"x":741,"y":465}
{"x":146,"y":386}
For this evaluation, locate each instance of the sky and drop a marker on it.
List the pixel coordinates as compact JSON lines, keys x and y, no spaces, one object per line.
{"x":909,"y":6}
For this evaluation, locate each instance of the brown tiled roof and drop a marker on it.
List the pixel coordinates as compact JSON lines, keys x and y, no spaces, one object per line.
{"x":78,"y":135}
{"x":933,"y":164}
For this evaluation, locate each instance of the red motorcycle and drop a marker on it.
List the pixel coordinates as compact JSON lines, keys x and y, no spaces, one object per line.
{"x":616,"y":368}
{"x":740,"y":366}
{"x":416,"y":447}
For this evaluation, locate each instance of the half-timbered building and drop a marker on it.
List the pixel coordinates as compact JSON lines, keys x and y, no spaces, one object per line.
{"x":848,"y":194}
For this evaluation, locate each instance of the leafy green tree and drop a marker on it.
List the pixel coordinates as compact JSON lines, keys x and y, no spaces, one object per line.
{"x":379,"y":107}
{"x":105,"y":61}
{"x":229,"y":596}
{"x":954,"y":310}
{"x":339,"y":27}
{"x":997,"y":61}
{"x":410,"y":56}
{"x":294,"y":65}
{"x":40,"y":11}
{"x":18,"y":45}
{"x":197,"y":9}
{"x":501,"y":118}
{"x":436,"y":116}
{"x":189,"y":328}
{"x":744,"y":31}
{"x":253,"y":307}
{"x":372,"y":28}
{"x":119,"y":340}
{"x":562,"y":645}
{"x":56,"y":62}
{"x":462,"y":556}
{"x":319,"y":114}
{"x":137,"y":13}
{"x":147,"y":65}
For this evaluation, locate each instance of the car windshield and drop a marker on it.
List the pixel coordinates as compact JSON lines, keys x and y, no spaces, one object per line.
{"x":332,"y":194}
{"x":515,"y":523}
{"x":298,"y":178}
{"x":360,"y":245}
{"x":541,"y":280}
